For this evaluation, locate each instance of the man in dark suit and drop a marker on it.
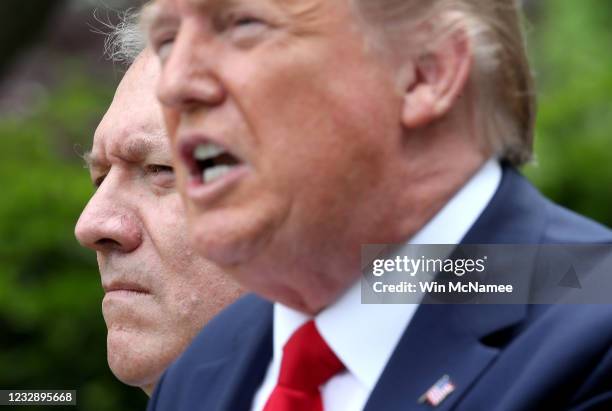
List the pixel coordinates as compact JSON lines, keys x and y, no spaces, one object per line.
{"x":304,"y":129}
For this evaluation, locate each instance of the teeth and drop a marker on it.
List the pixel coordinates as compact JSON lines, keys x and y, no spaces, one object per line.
{"x":207,"y":151}
{"x":213,"y":173}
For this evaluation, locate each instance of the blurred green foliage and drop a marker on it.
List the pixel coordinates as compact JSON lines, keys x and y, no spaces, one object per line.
{"x":51,"y":330}
{"x":571,"y":44}
{"x":52,"y":334}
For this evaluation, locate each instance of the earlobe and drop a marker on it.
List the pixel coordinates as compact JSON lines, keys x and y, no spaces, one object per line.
{"x":440,"y":76}
{"x":419,"y":107}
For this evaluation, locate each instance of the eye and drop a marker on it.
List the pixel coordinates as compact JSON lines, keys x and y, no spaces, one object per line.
{"x":246,"y":20}
{"x":244,"y":29}
{"x":159,"y":169}
{"x":161,"y":174}
{"x":164,"y":48}
{"x":161,"y":40}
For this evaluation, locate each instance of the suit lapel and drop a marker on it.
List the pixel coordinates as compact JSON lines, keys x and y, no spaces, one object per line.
{"x":441,"y":340}
{"x":461,"y":341}
{"x":252,"y":354}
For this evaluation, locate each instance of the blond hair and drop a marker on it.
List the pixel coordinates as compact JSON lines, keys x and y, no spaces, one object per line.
{"x":501,"y":80}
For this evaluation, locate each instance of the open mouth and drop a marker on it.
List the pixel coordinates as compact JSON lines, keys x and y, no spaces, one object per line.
{"x":209,"y":162}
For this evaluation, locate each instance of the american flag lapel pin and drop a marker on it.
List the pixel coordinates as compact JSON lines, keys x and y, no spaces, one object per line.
{"x":438,"y":392}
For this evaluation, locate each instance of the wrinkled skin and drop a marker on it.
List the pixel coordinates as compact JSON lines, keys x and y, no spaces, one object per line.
{"x":158,"y":292}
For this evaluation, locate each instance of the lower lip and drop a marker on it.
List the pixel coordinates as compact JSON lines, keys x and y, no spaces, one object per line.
{"x":202,"y":193}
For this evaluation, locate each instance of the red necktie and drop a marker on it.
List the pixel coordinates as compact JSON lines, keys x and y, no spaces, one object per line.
{"x":307,"y":363}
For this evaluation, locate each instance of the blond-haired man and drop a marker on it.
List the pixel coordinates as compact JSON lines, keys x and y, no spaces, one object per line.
{"x":305,"y":129}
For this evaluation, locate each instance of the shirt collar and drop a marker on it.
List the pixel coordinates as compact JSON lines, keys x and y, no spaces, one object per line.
{"x":364,"y":336}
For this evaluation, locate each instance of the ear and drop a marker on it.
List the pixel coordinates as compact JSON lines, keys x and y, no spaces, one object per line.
{"x":438,"y":78}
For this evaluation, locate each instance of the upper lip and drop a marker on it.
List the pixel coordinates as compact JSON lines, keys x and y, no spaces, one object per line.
{"x":119,"y":285}
{"x":187,"y":143}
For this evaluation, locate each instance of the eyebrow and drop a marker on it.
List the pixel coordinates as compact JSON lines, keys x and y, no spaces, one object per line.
{"x":135,"y":150}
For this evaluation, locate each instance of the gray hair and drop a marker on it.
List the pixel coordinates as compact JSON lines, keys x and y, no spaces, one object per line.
{"x":126,"y":39}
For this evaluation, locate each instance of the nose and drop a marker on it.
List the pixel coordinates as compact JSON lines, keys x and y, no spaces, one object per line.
{"x":108,"y":224}
{"x":189,"y":78}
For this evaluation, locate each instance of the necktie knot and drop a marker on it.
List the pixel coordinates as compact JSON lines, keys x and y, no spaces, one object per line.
{"x":307,"y":363}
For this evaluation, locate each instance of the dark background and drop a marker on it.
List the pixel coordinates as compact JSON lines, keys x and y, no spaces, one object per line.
{"x":54,"y":87}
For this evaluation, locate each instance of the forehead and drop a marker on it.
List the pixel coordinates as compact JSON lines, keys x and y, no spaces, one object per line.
{"x":132,"y":127}
{"x":160,"y":11}
{"x":203,"y":4}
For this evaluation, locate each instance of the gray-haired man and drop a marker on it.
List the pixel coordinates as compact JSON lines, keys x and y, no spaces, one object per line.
{"x":158,"y":292}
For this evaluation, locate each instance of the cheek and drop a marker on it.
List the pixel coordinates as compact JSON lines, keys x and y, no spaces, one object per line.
{"x":171,"y":121}
{"x":182,"y":177}
{"x":308,"y":114}
{"x":190,"y":313}
{"x":330,"y":152}
{"x":167,"y":222}
{"x":186,"y":303}
{"x":329,"y":138}
{"x":168,"y":232}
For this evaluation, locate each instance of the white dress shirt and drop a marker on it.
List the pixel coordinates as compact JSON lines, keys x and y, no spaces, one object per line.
{"x":364,"y":336}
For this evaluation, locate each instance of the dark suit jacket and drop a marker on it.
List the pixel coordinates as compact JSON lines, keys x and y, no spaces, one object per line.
{"x":499,"y":357}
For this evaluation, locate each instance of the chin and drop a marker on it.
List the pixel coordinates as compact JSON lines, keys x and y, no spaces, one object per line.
{"x":132,"y":360}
